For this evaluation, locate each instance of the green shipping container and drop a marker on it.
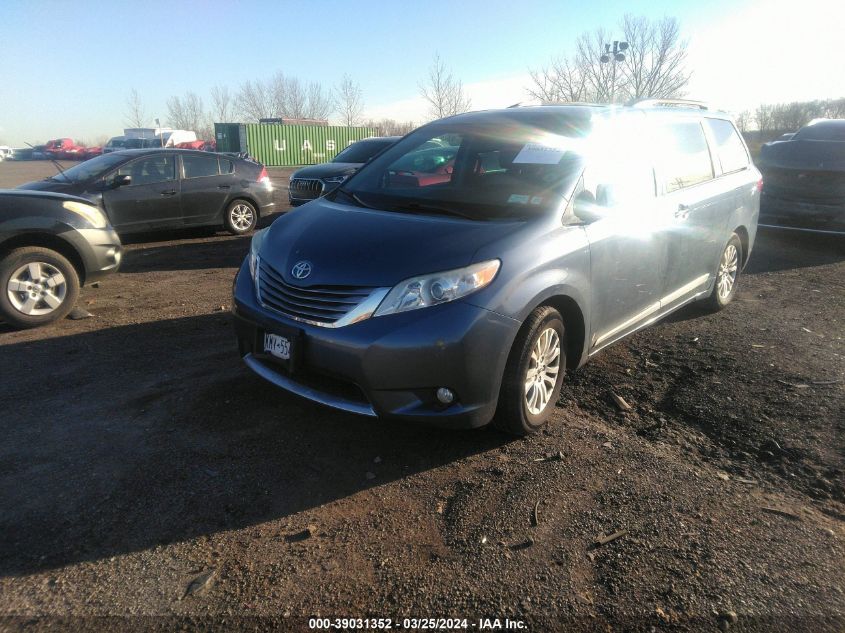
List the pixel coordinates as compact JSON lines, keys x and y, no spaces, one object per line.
{"x":230,"y":137}
{"x":281,"y":145}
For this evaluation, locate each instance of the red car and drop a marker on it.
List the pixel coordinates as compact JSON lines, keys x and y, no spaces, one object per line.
{"x":205,"y":146}
{"x":64,"y":148}
{"x":91,"y":152}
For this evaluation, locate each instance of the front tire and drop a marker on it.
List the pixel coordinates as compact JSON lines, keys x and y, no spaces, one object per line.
{"x":37,"y":286}
{"x":727,"y":276}
{"x":533,"y":375}
{"x":241,"y":217}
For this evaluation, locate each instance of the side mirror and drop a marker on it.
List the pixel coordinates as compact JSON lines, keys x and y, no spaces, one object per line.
{"x":585,"y":207}
{"x":121,"y":180}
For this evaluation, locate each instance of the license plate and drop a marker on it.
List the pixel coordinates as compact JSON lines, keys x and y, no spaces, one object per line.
{"x":277,"y":346}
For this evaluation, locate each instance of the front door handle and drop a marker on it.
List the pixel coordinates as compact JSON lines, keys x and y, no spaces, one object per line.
{"x":682,"y":212}
{"x":169,"y":192}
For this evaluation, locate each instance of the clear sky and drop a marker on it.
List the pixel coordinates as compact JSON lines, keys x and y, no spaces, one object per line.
{"x":67,"y":67}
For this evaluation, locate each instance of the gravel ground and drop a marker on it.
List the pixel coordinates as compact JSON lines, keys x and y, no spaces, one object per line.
{"x":146,"y":475}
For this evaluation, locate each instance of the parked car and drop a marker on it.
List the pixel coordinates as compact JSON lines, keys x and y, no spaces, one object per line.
{"x":62,"y":149}
{"x":143,"y":190}
{"x":804,"y":178}
{"x":457,"y":301}
{"x":21,"y":153}
{"x":50,"y":245}
{"x":144,"y":143}
{"x":91,"y":152}
{"x":5,"y":152}
{"x":115,"y":144}
{"x":312,"y":181}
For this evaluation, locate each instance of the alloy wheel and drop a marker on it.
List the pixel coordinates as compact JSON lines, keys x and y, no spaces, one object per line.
{"x":543,"y":370}
{"x":727,"y":272}
{"x":242,"y":217}
{"x":36,"y":289}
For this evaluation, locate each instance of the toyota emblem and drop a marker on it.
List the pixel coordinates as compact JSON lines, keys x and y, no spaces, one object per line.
{"x":301,"y":269}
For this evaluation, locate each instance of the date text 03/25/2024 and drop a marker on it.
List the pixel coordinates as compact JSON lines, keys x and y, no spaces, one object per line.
{"x":417,"y":624}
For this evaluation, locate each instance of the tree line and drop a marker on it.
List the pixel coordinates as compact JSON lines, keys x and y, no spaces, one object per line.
{"x":774,"y":119}
{"x":653,"y":65}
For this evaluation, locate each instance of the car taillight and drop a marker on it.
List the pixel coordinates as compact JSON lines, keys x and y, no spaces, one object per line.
{"x":263,"y":177}
{"x":760,"y":185}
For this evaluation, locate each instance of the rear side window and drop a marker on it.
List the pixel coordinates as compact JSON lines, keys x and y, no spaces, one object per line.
{"x":684,"y":155}
{"x":227,"y":166}
{"x":199,"y":166}
{"x":729,"y":148}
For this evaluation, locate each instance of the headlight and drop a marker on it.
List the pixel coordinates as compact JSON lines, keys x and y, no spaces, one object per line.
{"x":430,"y":290}
{"x":254,"y":247}
{"x":92,"y":214}
{"x":335,"y":180}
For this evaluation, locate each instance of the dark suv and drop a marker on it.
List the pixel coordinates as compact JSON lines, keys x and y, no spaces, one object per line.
{"x":143,"y":190}
{"x":313,"y":181}
{"x":459,"y":293}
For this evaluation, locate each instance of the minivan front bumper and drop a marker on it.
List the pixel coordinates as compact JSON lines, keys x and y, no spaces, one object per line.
{"x":390,"y":366}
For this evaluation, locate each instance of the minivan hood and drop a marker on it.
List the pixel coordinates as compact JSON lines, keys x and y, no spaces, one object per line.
{"x":327,"y":170}
{"x":351,"y":246}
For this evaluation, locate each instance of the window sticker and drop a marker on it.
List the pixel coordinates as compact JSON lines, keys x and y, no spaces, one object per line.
{"x":518,"y":199}
{"x":537,"y":200}
{"x":539,"y":154}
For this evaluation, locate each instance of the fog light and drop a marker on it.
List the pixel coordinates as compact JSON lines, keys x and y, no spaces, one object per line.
{"x":445,"y":395}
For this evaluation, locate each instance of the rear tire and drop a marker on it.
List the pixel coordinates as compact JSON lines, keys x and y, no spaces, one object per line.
{"x":241,"y":217}
{"x":37,"y":286}
{"x":534,"y":374}
{"x":727,"y":276}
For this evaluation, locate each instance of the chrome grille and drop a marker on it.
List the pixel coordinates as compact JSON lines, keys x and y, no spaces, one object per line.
{"x":314,"y":304}
{"x":306,"y":187}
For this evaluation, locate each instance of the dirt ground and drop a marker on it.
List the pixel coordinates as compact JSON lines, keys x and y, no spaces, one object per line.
{"x":147,"y":475}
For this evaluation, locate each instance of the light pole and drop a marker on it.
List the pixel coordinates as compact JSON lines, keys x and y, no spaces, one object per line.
{"x":612,"y":57}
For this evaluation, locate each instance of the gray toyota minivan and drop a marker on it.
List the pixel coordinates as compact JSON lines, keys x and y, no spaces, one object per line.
{"x":457,"y":287}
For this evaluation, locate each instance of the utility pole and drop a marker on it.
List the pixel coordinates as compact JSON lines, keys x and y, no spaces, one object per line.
{"x":616,"y":55}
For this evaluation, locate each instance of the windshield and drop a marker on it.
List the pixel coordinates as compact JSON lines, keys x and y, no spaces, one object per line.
{"x":362,"y":151}
{"x":90,"y":168}
{"x":496,"y":166}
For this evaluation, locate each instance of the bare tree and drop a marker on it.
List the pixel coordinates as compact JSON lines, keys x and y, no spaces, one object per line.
{"x":743,"y":120}
{"x":187,"y":113}
{"x":763,"y":118}
{"x":562,"y":81}
{"x":348,"y":101}
{"x":255,"y":100}
{"x":221,"y":103}
{"x":654,"y":66}
{"x":391,"y":127}
{"x":291,"y":98}
{"x":655,"y":62}
{"x":444,"y":93}
{"x":318,"y":102}
{"x":135,"y":114}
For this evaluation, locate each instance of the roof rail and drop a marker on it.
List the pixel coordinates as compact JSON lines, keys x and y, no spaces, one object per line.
{"x":670,"y":103}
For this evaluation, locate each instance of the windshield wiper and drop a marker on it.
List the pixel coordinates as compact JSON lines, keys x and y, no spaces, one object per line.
{"x":56,"y":164}
{"x":353,"y":197}
{"x":416,"y":207}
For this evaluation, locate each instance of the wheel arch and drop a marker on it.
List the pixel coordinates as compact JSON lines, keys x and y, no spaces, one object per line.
{"x":47,"y":240}
{"x":574,"y":323}
{"x":744,"y":239}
